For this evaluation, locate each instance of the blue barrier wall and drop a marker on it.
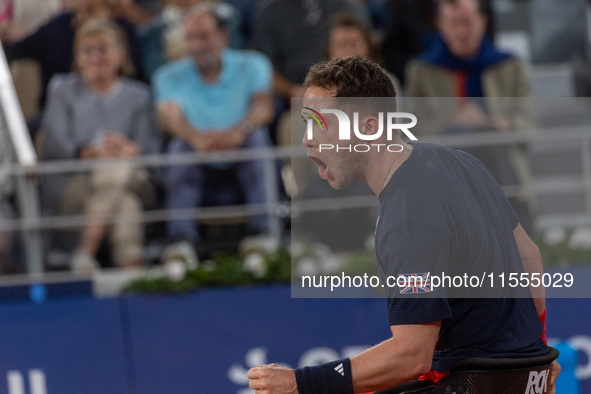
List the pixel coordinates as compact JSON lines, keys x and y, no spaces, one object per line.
{"x":203,"y":342}
{"x":210,"y":339}
{"x":570,"y":320}
{"x":78,"y":344}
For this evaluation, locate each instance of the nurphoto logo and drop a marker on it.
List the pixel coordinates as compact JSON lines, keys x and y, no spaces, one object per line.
{"x":345,"y":129}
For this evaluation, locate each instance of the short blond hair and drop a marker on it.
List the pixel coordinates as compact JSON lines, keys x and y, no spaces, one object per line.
{"x":96,"y":27}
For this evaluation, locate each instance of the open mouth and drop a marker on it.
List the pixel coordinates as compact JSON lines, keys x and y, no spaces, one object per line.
{"x":322,"y":168}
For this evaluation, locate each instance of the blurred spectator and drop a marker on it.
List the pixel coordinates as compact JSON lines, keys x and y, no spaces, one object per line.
{"x":97,"y":114}
{"x":290,"y":33}
{"x":6,"y":191}
{"x":52,"y":44}
{"x":349,"y":36}
{"x":18,"y":19}
{"x":215,"y":99}
{"x":463,"y":63}
{"x":411,"y":29}
{"x":163,"y":40}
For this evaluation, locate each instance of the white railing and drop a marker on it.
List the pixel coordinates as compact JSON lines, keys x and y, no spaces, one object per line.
{"x":281,"y":209}
{"x":32,"y":223}
{"x":28,"y":196}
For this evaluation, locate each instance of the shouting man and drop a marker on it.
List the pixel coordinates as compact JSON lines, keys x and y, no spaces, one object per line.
{"x":437,"y":206}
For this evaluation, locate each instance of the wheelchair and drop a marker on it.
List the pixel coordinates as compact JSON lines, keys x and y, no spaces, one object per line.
{"x":528,"y":375}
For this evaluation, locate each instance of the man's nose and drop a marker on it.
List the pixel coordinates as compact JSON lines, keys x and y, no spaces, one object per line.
{"x":307,"y":142}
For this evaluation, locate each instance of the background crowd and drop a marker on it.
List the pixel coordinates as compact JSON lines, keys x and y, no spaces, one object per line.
{"x":104,"y":79}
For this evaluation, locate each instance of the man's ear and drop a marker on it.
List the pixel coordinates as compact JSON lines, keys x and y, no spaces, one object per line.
{"x":369,"y":125}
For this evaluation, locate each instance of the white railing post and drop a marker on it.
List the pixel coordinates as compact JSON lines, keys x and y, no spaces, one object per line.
{"x":27,"y":158}
{"x":271,"y":191}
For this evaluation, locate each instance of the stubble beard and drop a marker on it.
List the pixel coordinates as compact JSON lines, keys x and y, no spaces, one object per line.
{"x":349,"y":169}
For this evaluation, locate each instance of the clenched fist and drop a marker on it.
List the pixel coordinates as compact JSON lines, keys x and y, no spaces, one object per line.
{"x":272,"y":379}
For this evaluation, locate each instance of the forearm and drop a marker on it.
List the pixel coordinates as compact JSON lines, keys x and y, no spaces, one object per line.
{"x":391,"y":363}
{"x":180,"y":129}
{"x":260,"y":112}
{"x":402,"y":358}
{"x":532,"y":264}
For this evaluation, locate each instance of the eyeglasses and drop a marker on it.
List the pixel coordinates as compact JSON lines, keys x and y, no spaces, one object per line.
{"x":95,"y":49}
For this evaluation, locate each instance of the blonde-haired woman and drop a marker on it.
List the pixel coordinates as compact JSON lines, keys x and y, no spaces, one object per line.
{"x":96,"y":113}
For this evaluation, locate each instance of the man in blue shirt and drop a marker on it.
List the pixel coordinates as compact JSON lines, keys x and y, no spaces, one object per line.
{"x":439,"y":209}
{"x":214,"y":99}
